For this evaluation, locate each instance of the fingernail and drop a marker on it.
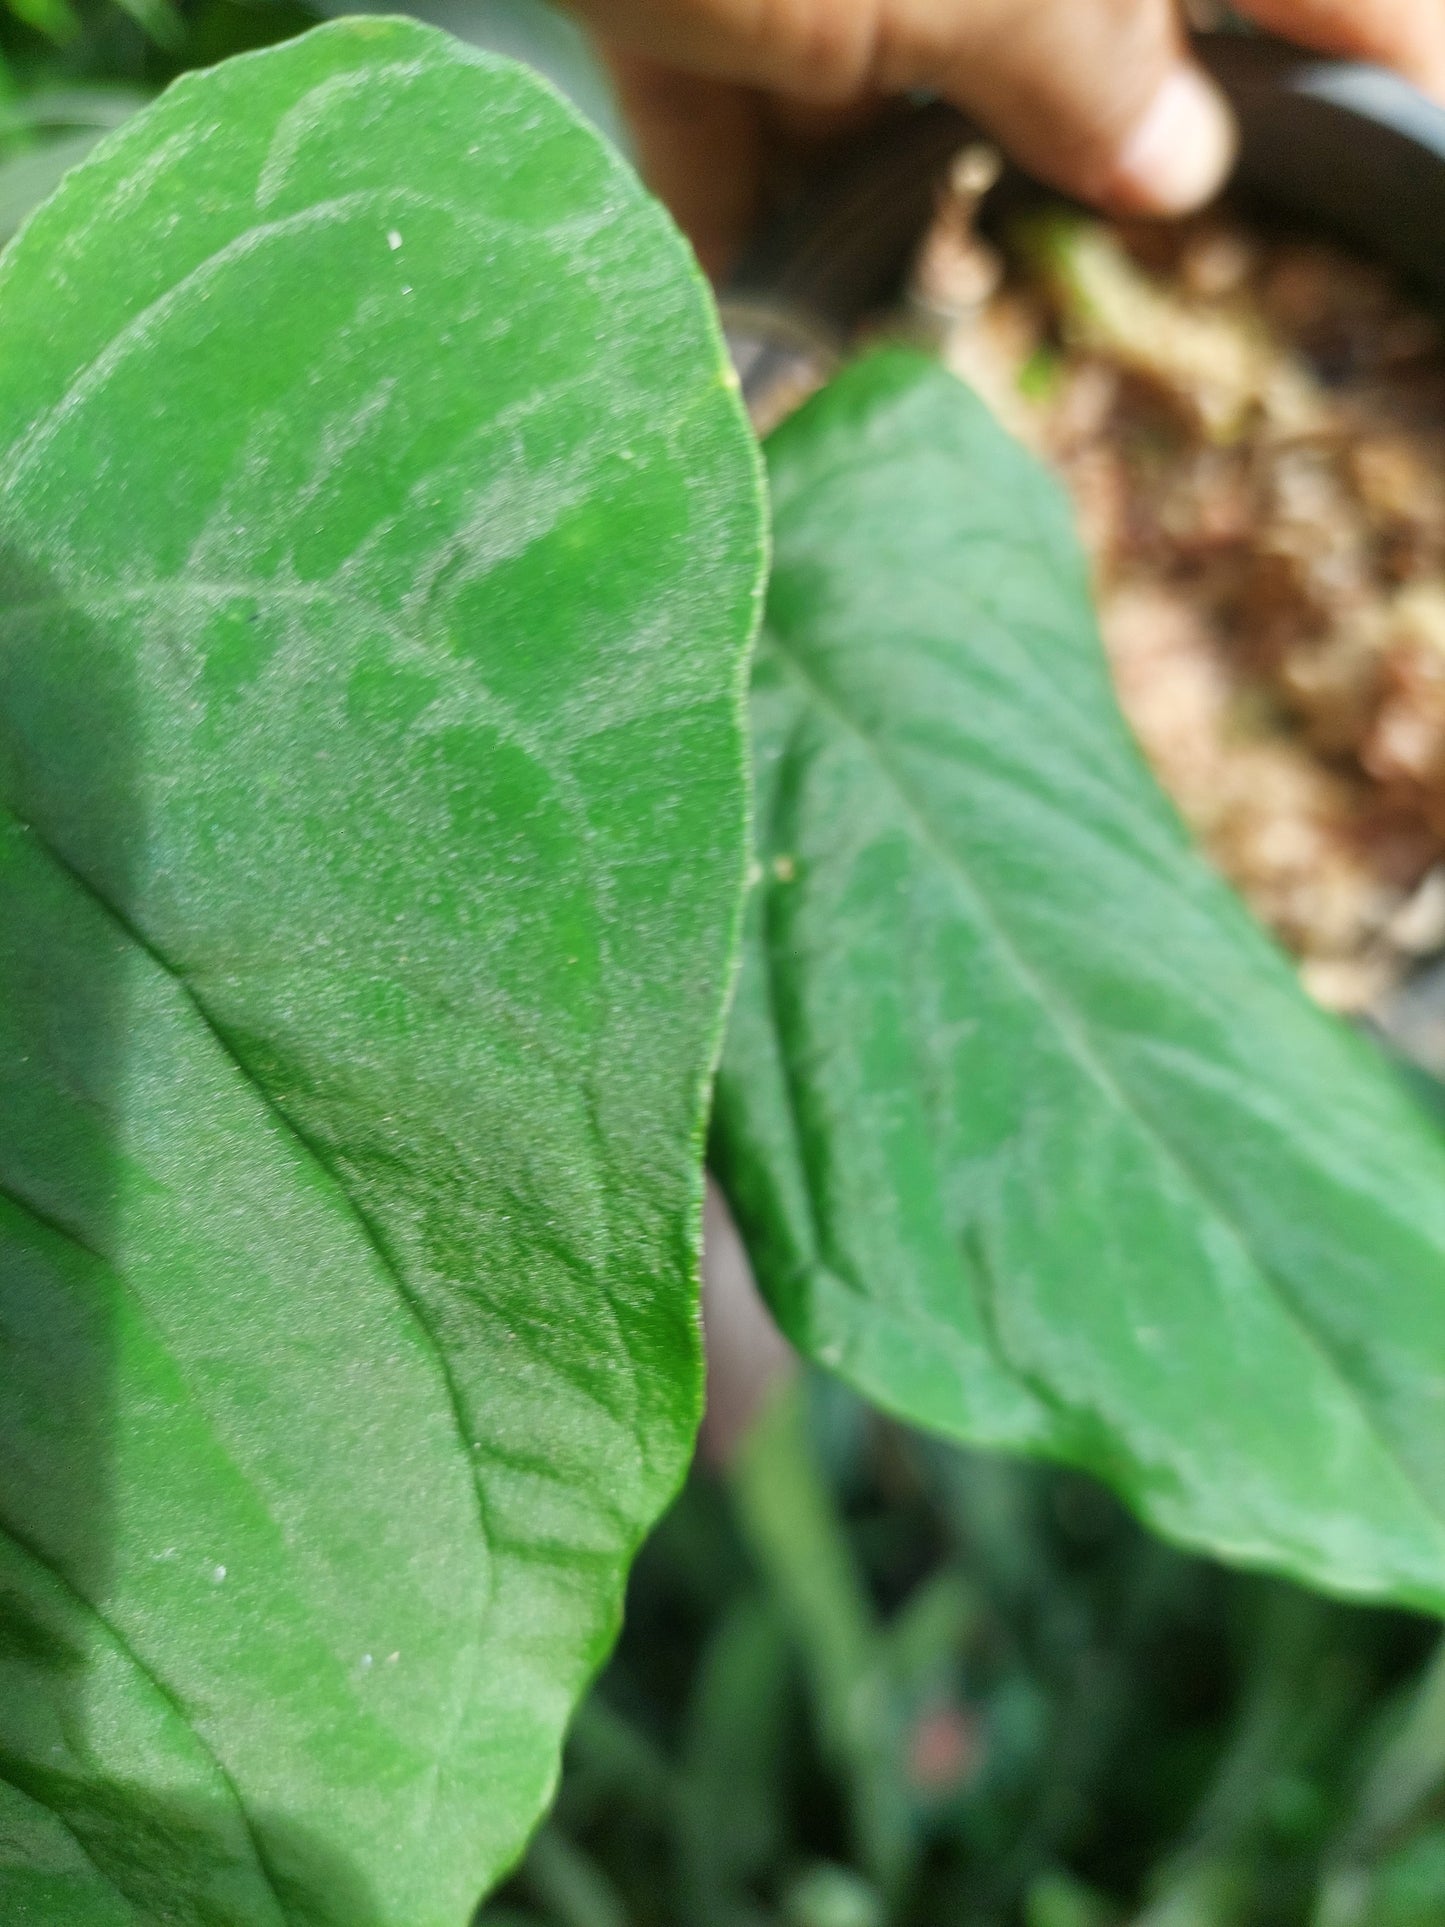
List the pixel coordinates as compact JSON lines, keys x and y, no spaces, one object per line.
{"x":1181,"y":151}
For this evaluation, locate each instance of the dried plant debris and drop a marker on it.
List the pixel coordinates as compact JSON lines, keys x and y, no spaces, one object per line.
{"x":1253,"y":432}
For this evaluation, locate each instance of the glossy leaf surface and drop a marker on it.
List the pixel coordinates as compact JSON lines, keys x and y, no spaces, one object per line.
{"x":1030,"y":1131}
{"x":381,"y":545}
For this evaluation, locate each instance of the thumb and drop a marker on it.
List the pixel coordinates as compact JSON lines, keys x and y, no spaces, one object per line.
{"x":1097,"y":97}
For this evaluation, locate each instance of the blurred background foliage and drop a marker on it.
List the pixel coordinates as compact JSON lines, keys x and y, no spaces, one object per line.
{"x":867,"y":1680}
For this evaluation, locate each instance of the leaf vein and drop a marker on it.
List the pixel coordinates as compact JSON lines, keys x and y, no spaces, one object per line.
{"x":28,"y":1550}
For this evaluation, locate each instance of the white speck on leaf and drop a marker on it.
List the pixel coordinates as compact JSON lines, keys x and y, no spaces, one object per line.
{"x":393,"y":240}
{"x":218,"y":1573}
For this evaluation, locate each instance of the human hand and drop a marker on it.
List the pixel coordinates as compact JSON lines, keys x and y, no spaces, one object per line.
{"x":1098,"y":97}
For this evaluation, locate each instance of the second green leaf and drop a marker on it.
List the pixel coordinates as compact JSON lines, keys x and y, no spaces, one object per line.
{"x":1032,"y":1134}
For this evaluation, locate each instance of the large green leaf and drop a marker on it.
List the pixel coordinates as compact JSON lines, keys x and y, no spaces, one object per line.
{"x":381,"y":544}
{"x":1030,"y":1131}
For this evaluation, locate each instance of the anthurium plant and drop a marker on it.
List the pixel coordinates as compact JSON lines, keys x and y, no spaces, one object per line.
{"x":391,"y":801}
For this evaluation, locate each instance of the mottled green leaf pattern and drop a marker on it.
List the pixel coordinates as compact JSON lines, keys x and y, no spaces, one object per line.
{"x":1032,"y":1134}
{"x":379,"y":548}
